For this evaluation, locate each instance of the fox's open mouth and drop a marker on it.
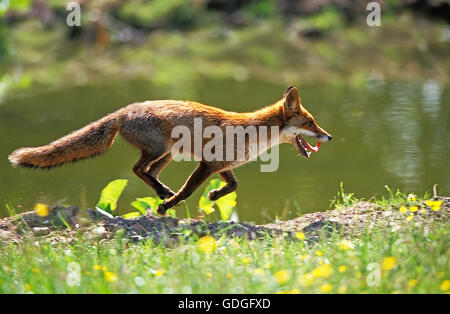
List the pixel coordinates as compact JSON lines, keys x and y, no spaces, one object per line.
{"x":304,"y":148}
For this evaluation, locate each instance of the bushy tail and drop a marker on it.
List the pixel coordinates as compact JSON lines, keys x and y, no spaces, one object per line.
{"x":89,"y":141}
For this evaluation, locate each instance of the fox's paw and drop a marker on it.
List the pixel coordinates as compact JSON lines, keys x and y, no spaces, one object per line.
{"x":214,"y":195}
{"x":162,"y":208}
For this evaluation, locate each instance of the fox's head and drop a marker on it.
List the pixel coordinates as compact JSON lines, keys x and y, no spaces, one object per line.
{"x":297,"y":121}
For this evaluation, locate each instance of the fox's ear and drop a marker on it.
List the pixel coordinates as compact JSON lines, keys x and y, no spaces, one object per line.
{"x":292,"y":101}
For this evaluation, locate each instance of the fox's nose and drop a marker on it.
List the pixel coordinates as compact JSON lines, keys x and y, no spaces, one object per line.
{"x":325,"y":138}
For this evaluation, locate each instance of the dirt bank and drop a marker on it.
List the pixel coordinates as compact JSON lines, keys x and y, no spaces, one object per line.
{"x":64,"y":224}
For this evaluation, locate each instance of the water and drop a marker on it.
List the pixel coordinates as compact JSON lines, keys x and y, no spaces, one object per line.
{"x":394,"y":133}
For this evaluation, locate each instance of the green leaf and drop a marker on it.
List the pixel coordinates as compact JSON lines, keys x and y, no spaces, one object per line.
{"x":110,"y":195}
{"x":205,"y":204}
{"x":146,"y":203}
{"x":208,"y":210}
{"x":131,"y":215}
{"x":172,"y":213}
{"x":140,"y":206}
{"x":225,"y":204}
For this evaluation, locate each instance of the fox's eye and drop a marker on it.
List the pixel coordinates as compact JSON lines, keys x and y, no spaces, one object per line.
{"x":309,"y":123}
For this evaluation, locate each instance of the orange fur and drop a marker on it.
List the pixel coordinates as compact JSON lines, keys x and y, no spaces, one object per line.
{"x":148,"y":127}
{"x":89,"y":141}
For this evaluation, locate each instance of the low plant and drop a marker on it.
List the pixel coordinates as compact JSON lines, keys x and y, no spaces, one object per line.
{"x":110,"y":195}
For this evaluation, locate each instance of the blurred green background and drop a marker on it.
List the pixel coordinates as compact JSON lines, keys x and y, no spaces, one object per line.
{"x":383,"y":92}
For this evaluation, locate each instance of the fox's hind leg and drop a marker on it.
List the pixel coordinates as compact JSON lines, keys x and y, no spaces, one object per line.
{"x":231,"y":186}
{"x":155,"y":168}
{"x":152,"y":171}
{"x":148,"y":168}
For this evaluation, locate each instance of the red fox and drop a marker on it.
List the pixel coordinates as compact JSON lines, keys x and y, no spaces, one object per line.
{"x":148,"y":126}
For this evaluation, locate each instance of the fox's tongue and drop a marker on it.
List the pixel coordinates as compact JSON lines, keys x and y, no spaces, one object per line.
{"x":310,"y":148}
{"x":304,"y":148}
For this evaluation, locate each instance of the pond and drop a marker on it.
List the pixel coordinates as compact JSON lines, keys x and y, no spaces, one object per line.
{"x":385,"y":133}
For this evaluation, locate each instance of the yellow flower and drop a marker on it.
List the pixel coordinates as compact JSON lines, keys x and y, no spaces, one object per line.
{"x":245,"y":260}
{"x":300,"y":236}
{"x":323,"y":271}
{"x":388,"y":263}
{"x":414,"y":209}
{"x":307,"y":279}
{"x":206,"y":244}
{"x":345,"y":245}
{"x":412,"y":197}
{"x":229,"y":276}
{"x":258,"y":271}
{"x":96,"y":267}
{"x":342,"y":290}
{"x":435,"y":205}
{"x":412,"y":283}
{"x":319,"y":253}
{"x":267,"y":265}
{"x":445,"y":285}
{"x":111,"y":277}
{"x":209,"y":275}
{"x":159,"y":272}
{"x":326,"y":288}
{"x":282,"y":276}
{"x":342,"y":269}
{"x":293,"y":291}
{"x":410,"y":217}
{"x":41,"y":210}
{"x":104,"y":268}
{"x":27,"y":286}
{"x":403,"y":209}
{"x":35,"y":270}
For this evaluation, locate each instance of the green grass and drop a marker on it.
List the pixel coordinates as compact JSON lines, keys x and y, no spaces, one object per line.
{"x":418,"y":256}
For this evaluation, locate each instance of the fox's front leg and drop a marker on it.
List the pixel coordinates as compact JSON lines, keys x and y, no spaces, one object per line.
{"x":231,"y":186}
{"x":199,"y":176}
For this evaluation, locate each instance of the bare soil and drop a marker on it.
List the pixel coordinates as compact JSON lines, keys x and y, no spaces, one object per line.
{"x":65,"y":224}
